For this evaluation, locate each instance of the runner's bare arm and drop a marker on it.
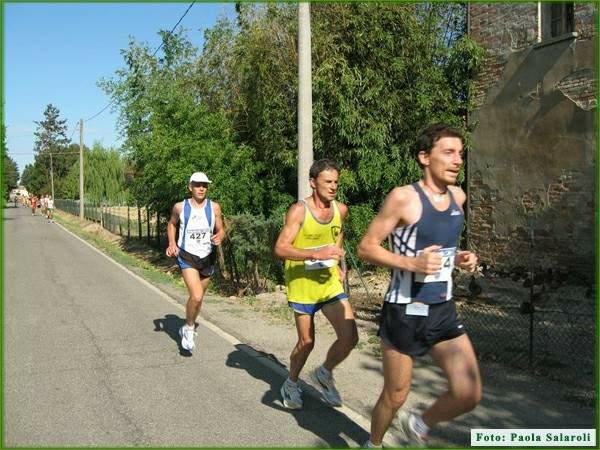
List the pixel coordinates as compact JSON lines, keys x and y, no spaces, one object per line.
{"x":172,"y":249}
{"x":218,"y":237}
{"x":344,"y":211}
{"x":342,"y":267}
{"x":464,"y":259}
{"x":392,"y":215}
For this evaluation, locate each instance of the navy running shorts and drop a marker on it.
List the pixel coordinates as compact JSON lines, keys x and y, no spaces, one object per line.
{"x":414,"y":335}
{"x":205,"y":266}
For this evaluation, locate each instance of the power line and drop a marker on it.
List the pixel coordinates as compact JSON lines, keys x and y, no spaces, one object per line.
{"x":153,"y":54}
{"x":74,"y":130}
{"x":99,"y":112}
{"x":176,"y":25}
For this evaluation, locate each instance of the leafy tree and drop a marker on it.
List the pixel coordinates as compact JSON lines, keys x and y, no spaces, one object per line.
{"x":169,"y":133}
{"x":266,"y":114}
{"x":63,"y":162}
{"x":33,"y":179}
{"x":10,"y":174}
{"x":51,"y":133}
{"x":103,"y":175}
{"x":381,"y":72}
{"x":50,"y":139}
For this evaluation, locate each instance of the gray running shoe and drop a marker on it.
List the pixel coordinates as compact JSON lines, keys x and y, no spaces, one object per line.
{"x":327,"y":386}
{"x":291,"y":395}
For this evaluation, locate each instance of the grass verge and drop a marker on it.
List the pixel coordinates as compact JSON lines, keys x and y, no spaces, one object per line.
{"x":111,"y":246}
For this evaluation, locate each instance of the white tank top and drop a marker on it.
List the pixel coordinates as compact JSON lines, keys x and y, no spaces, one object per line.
{"x":196,"y":227}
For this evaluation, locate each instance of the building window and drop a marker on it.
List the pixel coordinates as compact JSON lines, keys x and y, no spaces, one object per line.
{"x":561,"y":19}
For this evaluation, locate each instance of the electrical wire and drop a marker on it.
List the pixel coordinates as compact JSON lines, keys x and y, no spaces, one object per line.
{"x":153,"y":54}
{"x":74,"y":130}
{"x":176,"y":25}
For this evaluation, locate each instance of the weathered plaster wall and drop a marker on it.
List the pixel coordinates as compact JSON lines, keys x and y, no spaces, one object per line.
{"x":532,"y":167}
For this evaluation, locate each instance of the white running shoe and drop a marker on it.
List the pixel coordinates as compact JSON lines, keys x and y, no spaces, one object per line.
{"x":291,"y":395}
{"x":188,"y":335}
{"x":327,"y":386}
{"x":411,"y":437}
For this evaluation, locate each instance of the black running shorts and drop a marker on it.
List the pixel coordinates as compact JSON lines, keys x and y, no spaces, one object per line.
{"x":415,"y":335}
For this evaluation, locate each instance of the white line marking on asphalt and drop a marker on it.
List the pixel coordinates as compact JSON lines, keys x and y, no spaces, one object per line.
{"x":361,"y":421}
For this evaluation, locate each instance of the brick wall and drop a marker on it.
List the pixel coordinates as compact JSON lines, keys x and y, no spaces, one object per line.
{"x":543,"y":238}
{"x":501,"y":29}
{"x":585,"y":22}
{"x":580,"y":87}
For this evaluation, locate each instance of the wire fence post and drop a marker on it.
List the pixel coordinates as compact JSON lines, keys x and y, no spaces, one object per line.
{"x":147,"y":226}
{"x":532,"y":309}
{"x":158,"y":229}
{"x":139,"y":222}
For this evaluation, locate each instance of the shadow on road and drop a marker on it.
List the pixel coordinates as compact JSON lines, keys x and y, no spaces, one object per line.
{"x":171,"y":324}
{"x":327,"y":423}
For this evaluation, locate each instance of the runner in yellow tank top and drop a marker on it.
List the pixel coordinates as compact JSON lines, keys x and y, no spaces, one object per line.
{"x":315,"y":281}
{"x":311,"y":245}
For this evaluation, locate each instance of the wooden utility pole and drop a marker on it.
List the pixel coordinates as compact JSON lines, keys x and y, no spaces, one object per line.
{"x":305,"y":148}
{"x":81,"y":215}
{"x":51,"y":176}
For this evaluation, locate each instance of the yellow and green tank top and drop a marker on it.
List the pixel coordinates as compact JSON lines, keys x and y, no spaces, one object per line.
{"x":305,"y":283}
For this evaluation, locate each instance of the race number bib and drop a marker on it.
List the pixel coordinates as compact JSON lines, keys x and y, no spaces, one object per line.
{"x":417,"y":309}
{"x":318,"y":264}
{"x":448,"y":255}
{"x":198,"y":235}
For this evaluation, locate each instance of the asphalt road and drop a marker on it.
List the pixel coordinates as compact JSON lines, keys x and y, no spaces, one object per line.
{"x":91,"y":358}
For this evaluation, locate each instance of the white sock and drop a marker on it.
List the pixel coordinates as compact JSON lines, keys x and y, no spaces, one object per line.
{"x":290,"y":382}
{"x":418,"y":425}
{"x":370,"y":444}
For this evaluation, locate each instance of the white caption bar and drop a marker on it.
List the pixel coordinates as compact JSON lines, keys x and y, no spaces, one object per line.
{"x":529,"y":437}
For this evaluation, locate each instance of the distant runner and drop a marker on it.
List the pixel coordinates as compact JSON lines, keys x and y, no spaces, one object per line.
{"x":50,"y":208}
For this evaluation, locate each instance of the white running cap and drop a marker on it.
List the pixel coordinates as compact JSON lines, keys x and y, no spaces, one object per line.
{"x":199,"y":177}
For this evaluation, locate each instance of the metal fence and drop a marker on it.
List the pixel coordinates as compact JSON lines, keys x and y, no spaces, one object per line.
{"x":123,"y":220}
{"x":549,"y":332}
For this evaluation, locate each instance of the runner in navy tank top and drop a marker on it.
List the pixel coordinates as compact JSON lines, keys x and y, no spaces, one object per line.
{"x":423,"y":222}
{"x":434,"y":226}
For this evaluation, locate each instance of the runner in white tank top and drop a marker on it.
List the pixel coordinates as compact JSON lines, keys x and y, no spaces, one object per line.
{"x":50,"y":208}
{"x":196,"y":227}
{"x":200,"y":228}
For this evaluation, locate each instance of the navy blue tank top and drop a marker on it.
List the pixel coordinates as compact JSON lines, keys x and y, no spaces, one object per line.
{"x":433,"y":228}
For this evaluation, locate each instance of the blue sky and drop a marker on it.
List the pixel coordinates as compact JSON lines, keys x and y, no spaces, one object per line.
{"x":56,"y":53}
